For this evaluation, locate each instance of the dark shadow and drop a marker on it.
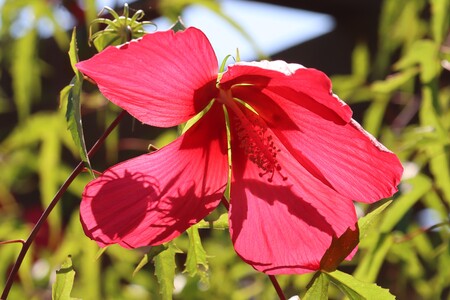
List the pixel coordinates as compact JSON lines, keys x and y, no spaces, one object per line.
{"x":204,"y":94}
{"x":167,"y":205}
{"x":138,"y":199}
{"x":123,"y":215}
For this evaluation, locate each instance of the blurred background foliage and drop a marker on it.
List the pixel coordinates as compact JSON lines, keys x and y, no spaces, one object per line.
{"x":399,"y":89}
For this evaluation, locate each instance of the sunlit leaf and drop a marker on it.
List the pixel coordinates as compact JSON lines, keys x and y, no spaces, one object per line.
{"x":318,"y":289}
{"x":165,"y":271}
{"x":155,"y":250}
{"x":425,"y":54}
{"x":220,"y":223}
{"x":369,"y":266}
{"x":196,"y":262}
{"x":361,"y":61}
{"x":48,"y":161}
{"x":439,"y":19}
{"x":394,"y":82}
{"x":373,"y":118}
{"x":25,"y":73}
{"x":73,"y":111}
{"x":65,"y":276}
{"x":356,"y":289}
{"x":365,"y":223}
{"x":90,"y":9}
{"x":417,"y":187}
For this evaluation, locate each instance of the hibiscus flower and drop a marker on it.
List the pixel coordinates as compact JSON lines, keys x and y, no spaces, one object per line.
{"x":295,"y":158}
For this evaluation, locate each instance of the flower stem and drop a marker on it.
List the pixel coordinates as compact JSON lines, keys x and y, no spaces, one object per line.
{"x":79,"y":168}
{"x":277,"y":287}
{"x":272,"y":278}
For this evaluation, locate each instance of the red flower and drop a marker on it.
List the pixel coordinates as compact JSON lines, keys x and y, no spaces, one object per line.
{"x":298,"y":158}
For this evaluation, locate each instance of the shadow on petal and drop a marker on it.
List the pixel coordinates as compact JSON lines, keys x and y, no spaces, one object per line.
{"x":115,"y":205}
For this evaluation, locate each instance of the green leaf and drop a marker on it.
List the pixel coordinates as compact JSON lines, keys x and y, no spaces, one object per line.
{"x":65,"y":276}
{"x":369,"y":266}
{"x":220,"y":223}
{"x":318,"y":289}
{"x":373,"y":117}
{"x":439,"y":19}
{"x":419,"y":186}
{"x":339,"y":249}
{"x":73,"y":54}
{"x":196,"y":262}
{"x":425,"y":54}
{"x":366,"y":222}
{"x":72,"y":96}
{"x":395,"y":81}
{"x":356,"y":289}
{"x":165,"y":271}
{"x":25,"y":73}
{"x":149,"y":256}
{"x":361,"y":61}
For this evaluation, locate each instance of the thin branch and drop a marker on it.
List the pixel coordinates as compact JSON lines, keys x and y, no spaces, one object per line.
{"x":12,"y":242}
{"x":410,"y":236}
{"x":79,"y":168}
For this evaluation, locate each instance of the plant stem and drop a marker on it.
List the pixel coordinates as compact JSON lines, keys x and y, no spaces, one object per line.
{"x":79,"y":168}
{"x":277,"y":287}
{"x":272,"y":278}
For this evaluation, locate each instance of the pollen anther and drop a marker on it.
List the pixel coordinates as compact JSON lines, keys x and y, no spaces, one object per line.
{"x":259,"y":146}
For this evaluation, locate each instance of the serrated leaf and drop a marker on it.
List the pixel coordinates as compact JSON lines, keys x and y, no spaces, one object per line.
{"x":73,"y":53}
{"x":366,"y":222}
{"x":65,"y":276}
{"x":73,"y":111}
{"x":318,"y":289}
{"x":149,"y":257}
{"x":196,"y":262}
{"x":220,"y":223}
{"x":339,"y":249}
{"x":165,"y":271}
{"x":358,"y":290}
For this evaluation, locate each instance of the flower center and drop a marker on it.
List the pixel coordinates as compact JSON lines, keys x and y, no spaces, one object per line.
{"x":254,"y":138}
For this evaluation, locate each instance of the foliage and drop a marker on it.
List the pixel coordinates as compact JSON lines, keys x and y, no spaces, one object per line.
{"x":402,"y":88}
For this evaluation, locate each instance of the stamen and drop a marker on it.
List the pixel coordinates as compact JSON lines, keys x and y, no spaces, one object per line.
{"x":251,"y":131}
{"x":259,"y":146}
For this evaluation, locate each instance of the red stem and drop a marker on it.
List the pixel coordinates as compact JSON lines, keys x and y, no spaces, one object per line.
{"x":272,"y":278}
{"x":12,"y":242}
{"x":79,"y":168}
{"x":277,"y":287}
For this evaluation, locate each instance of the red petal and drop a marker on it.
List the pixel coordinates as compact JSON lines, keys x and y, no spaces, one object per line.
{"x":162,"y":79}
{"x":284,"y":226}
{"x":152,"y":198}
{"x":339,"y":153}
{"x":308,"y":82}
